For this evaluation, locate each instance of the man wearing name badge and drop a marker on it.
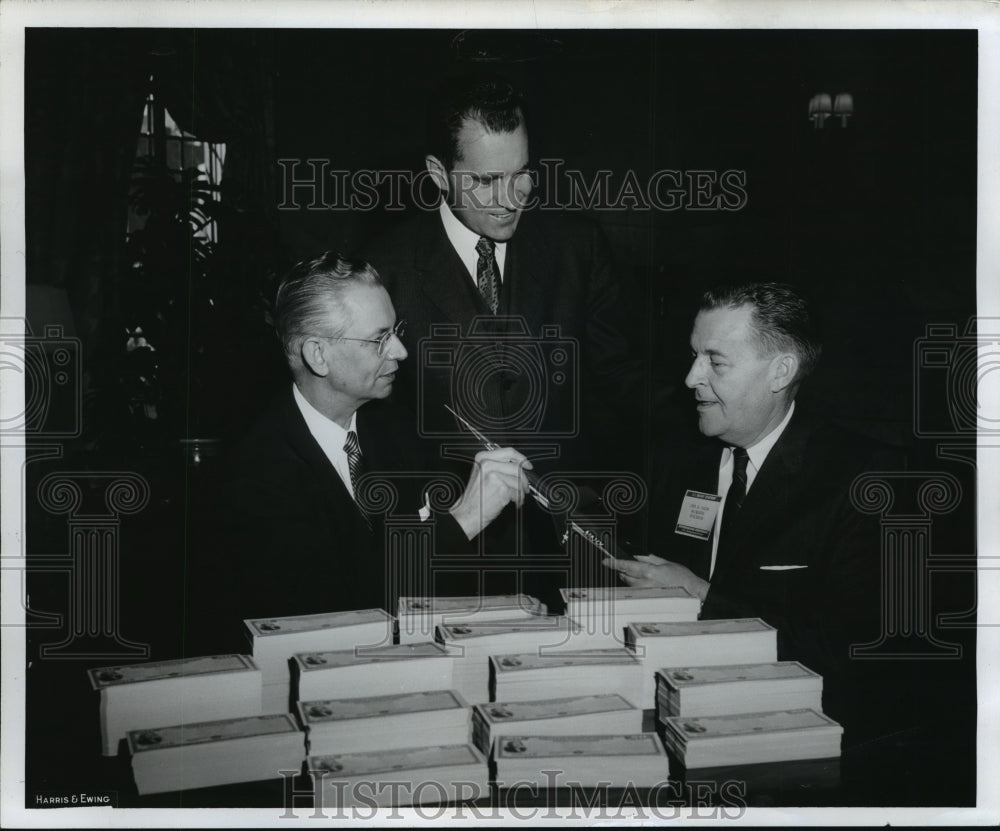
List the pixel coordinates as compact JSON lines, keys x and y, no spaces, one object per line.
{"x":295,"y":538}
{"x":522,"y":306}
{"x":756,"y":518}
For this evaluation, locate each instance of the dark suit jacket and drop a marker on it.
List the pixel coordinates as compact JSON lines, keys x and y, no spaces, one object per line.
{"x":289,"y":539}
{"x":563,"y":372}
{"x":798,"y":512}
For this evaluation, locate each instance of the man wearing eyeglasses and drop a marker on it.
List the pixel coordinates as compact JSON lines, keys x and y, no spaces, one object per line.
{"x":300,"y":535}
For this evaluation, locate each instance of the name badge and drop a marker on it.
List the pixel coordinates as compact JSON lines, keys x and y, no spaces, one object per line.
{"x":697,"y":514}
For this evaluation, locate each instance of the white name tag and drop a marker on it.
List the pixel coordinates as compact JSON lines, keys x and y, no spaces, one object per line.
{"x":697,"y":514}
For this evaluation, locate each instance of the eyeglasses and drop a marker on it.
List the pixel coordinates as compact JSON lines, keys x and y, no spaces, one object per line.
{"x":383,"y":342}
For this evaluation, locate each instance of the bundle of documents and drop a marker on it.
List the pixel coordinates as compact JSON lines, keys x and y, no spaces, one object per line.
{"x":215,"y":753}
{"x":533,"y":677}
{"x":577,"y":716}
{"x":349,"y":673}
{"x":420,"y":616}
{"x":393,"y":778}
{"x":611,"y":609}
{"x":276,"y":640}
{"x":172,"y":692}
{"x":384,"y":722}
{"x":635,"y":759}
{"x":473,"y":643}
{"x":697,"y":644}
{"x":751,"y":738}
{"x":737,"y":688}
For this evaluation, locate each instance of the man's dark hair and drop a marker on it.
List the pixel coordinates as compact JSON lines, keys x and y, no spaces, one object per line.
{"x":782,"y":320}
{"x":488,"y":99}
{"x":308,"y":294}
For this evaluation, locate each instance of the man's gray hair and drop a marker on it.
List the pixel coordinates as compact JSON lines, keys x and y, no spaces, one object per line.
{"x":308,"y":294}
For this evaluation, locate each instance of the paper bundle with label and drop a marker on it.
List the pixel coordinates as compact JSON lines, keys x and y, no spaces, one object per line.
{"x":611,"y":609}
{"x":350,"y":673}
{"x":276,"y":640}
{"x":420,"y":616}
{"x":737,"y":688}
{"x":393,"y":778}
{"x":699,"y":643}
{"x":477,"y":641}
{"x":172,"y":692}
{"x":635,"y":759}
{"x":352,"y":725}
{"x":751,"y":738}
{"x":533,"y":677}
{"x":577,"y":716}
{"x":213,"y":753}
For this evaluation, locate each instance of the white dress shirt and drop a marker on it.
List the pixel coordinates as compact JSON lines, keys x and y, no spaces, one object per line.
{"x":756,"y":456}
{"x":330,"y":436}
{"x":464,"y":242}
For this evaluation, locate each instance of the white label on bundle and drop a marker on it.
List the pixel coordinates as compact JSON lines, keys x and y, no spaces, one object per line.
{"x":534,"y":747}
{"x":383,"y":705}
{"x":265,"y":627}
{"x":350,"y":657}
{"x":590,"y":657}
{"x":180,"y":668}
{"x":393,"y":761}
{"x":502,"y":712}
{"x":211,"y":731}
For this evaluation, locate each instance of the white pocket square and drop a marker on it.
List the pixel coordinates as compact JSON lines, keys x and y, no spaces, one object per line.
{"x":780,"y":568}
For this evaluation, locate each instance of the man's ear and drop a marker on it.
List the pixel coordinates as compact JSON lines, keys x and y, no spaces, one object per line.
{"x":784,"y":368}
{"x":438,"y":172}
{"x":313,"y":357}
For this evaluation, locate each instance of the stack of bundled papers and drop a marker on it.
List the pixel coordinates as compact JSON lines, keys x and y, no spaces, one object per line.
{"x":636,"y":759}
{"x":215,"y":753}
{"x":751,"y":738}
{"x":533,"y":677}
{"x":737,"y":688}
{"x":698,"y":644}
{"x":384,"y":722}
{"x":276,"y":640}
{"x":420,"y":616}
{"x":473,"y":643}
{"x":611,"y":609}
{"x":172,"y":692}
{"x":577,"y":716}
{"x":349,"y":673}
{"x":392,"y":778}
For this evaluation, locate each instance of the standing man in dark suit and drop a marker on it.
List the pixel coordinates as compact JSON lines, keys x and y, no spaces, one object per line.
{"x":519,"y":311}
{"x":298,"y":536}
{"x":756,"y":518}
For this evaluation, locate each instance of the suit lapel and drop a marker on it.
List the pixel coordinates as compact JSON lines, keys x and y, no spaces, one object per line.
{"x":442,"y":275}
{"x":528,"y":276}
{"x":302,"y":441}
{"x":770,"y":490}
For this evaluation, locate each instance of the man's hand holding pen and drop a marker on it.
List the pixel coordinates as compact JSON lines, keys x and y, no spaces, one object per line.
{"x":498,"y":477}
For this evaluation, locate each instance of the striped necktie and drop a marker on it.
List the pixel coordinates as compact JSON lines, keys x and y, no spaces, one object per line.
{"x":355,"y":462}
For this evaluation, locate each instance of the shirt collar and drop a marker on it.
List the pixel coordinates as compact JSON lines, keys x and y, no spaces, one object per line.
{"x":464,"y":241}
{"x":758,"y":452}
{"x":330,"y":435}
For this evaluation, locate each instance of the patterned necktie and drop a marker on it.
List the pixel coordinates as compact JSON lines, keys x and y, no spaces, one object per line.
{"x":355,"y":462}
{"x":734,"y":498}
{"x":486,"y":273}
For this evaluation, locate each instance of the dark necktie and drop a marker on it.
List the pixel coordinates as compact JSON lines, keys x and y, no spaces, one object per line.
{"x":355,"y":462}
{"x":734,"y":499}
{"x":487,"y":277}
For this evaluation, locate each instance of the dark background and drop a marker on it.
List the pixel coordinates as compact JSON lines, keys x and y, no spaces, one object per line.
{"x":875,"y":221}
